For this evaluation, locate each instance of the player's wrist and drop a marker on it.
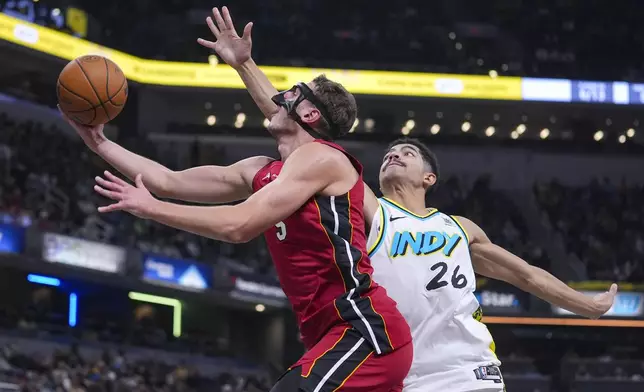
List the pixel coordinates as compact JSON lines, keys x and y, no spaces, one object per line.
{"x":246,"y":66}
{"x":101,"y":145}
{"x":152,"y":208}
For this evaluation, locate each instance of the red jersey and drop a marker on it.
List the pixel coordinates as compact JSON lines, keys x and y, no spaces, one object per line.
{"x":321,"y":260}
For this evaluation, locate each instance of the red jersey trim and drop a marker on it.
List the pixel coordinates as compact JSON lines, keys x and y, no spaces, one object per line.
{"x":352,"y":305}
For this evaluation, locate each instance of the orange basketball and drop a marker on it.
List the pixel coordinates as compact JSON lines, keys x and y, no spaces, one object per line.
{"x":92,"y":90}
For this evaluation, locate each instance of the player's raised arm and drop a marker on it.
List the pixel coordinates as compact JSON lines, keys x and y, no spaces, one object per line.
{"x":495,"y":262}
{"x":312,"y":168}
{"x":370,"y":207}
{"x":205,"y":184}
{"x":236,"y":52}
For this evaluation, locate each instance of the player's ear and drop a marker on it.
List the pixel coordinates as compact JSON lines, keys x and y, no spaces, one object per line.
{"x":310,"y":115}
{"x":429,"y":179}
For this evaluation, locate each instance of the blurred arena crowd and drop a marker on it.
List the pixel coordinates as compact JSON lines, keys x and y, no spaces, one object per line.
{"x":43,"y":184}
{"x":70,"y":368}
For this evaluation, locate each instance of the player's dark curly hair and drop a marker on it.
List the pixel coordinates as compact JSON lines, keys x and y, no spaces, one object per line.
{"x":338,"y":102}
{"x":428,"y":156}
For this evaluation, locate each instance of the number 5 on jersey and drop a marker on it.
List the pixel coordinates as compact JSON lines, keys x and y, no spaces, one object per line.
{"x":281,"y":231}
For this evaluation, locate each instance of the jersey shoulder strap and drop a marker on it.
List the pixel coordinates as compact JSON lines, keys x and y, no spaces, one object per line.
{"x":379,"y":223}
{"x":460,"y":226}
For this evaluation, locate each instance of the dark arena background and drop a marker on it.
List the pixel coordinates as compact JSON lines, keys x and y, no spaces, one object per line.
{"x":535,"y":110}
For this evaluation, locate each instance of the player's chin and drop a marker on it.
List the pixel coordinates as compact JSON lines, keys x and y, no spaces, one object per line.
{"x":389,"y":176}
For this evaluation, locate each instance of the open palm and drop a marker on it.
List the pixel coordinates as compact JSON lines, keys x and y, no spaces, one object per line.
{"x":135,"y":199}
{"x":232,"y":48}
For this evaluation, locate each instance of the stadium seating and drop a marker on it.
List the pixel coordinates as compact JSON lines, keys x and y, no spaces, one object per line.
{"x":45,"y":185}
{"x":601,"y":224}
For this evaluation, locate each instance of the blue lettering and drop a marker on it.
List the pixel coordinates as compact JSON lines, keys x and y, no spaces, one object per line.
{"x":432,"y":241}
{"x":425,"y":243}
{"x":407,"y":239}
{"x":394,"y":245}
{"x":452,"y":242}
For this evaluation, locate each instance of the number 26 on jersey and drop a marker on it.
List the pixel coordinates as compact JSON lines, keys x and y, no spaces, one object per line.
{"x":457,"y":280}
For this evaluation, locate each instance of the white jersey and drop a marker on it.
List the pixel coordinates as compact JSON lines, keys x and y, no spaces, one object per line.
{"x":424,"y":264}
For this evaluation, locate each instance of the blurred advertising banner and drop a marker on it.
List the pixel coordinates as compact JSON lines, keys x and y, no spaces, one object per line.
{"x":168,"y":73}
{"x":628,"y":305}
{"x":12,"y":238}
{"x":500,"y":298}
{"x":255,"y":289}
{"x":181,"y":274}
{"x":82,"y":253}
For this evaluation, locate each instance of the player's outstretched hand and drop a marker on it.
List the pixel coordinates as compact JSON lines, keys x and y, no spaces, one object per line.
{"x":604,"y":301}
{"x":136,"y":200}
{"x":92,"y":136}
{"x":232,"y":48}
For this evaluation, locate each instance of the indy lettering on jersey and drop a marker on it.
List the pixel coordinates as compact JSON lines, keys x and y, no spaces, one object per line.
{"x":424,"y":243}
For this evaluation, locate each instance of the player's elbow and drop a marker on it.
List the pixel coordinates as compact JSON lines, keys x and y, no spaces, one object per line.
{"x":238,"y":236}
{"x":240,"y":231}
{"x":163,"y":185}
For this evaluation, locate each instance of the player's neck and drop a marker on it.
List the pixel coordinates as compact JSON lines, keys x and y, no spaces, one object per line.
{"x":287,"y":143}
{"x":410,"y":198}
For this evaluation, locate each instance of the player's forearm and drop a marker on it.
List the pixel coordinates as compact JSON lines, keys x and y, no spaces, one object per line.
{"x":130,"y":164}
{"x":259,"y":87}
{"x":223,"y":223}
{"x":547,"y":287}
{"x":495,"y":262}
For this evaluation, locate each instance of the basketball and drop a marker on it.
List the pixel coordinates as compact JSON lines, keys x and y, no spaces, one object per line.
{"x":92,"y":90}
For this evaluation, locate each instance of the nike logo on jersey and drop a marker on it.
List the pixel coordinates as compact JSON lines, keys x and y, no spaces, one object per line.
{"x":269,"y":176}
{"x":395,"y":218}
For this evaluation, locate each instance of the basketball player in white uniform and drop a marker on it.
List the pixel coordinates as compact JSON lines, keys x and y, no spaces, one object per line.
{"x":432,"y":276}
{"x":426,"y":260}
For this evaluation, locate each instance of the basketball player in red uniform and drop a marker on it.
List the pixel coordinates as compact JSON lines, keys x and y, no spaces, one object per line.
{"x":309,"y":205}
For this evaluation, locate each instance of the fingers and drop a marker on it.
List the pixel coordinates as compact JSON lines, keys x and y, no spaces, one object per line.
{"x":107,"y":193}
{"x":109,"y":185}
{"x":227,"y":18}
{"x":112,"y":207}
{"x":613,"y":288}
{"x":221,"y":25}
{"x":62,"y":113}
{"x":247,"y":31}
{"x":207,"y":44}
{"x":114,"y":178}
{"x":71,"y":122}
{"x":211,"y":25}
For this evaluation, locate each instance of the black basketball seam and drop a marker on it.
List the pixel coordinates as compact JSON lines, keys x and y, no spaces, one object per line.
{"x":117,"y":93}
{"x":94,"y":89}
{"x":76,"y":94}
{"x":107,"y":81}
{"x":107,"y":85}
{"x":79,"y":111}
{"x":92,"y":107}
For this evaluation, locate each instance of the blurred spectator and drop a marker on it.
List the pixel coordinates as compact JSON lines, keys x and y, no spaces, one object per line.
{"x":497,"y":215}
{"x":602,"y":224}
{"x":114,"y":372}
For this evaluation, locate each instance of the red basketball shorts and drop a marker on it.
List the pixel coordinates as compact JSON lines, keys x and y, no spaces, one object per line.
{"x":343,"y":360}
